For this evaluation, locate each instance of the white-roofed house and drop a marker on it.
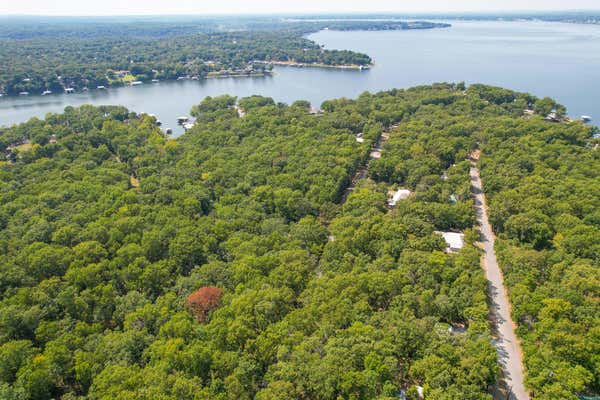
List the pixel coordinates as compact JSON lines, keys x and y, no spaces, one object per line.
{"x":400,"y":194}
{"x":454,"y":241}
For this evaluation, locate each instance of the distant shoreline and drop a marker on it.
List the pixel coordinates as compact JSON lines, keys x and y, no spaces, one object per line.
{"x":211,"y":75}
{"x":215,"y":75}
{"x":296,"y":64}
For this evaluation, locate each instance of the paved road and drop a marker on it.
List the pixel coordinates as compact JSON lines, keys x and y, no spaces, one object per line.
{"x":505,"y":340}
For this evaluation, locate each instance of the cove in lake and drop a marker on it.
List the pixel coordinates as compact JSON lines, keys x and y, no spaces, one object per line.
{"x":546,"y":59}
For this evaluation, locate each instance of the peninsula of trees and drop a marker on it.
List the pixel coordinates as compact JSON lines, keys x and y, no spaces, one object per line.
{"x":105,"y":53}
{"x":233,"y":263}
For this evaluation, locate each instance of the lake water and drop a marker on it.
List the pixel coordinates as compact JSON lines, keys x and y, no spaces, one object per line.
{"x":547,"y":59}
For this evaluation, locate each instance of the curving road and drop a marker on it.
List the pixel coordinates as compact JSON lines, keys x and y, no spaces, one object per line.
{"x":505,"y":340}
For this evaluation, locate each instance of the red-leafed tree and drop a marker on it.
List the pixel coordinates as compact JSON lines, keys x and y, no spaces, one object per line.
{"x":203,"y":300}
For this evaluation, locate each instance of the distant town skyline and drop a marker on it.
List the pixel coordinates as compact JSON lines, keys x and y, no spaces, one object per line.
{"x":196,"y":7}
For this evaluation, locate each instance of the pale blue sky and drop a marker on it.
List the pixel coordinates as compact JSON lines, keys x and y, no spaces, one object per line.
{"x":145,"y":7}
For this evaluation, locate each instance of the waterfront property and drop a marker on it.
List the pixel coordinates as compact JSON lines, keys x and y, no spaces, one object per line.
{"x":541,"y":49}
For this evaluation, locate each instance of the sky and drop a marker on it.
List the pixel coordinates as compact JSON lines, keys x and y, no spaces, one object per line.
{"x":199,"y":7}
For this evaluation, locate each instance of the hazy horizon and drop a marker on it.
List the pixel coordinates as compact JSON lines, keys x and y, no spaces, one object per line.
{"x":269,"y":7}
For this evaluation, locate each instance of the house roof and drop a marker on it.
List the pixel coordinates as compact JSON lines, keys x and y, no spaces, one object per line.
{"x":401,"y":194}
{"x":454,"y":240}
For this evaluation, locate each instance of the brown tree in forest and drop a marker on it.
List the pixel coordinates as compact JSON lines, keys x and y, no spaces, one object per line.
{"x":203,"y":300}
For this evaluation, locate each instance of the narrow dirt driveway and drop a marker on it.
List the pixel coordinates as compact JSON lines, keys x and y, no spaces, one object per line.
{"x":505,"y":340}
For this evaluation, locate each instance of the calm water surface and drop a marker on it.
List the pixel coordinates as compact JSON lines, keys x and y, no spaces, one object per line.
{"x":546,"y":59}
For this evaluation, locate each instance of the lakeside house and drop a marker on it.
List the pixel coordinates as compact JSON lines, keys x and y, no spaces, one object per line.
{"x":454,"y":240}
{"x":121,"y":74}
{"x":182,"y":120}
{"x":359,"y":138}
{"x":553,"y":117}
{"x":158,"y":122}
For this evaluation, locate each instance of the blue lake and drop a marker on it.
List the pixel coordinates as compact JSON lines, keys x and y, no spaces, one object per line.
{"x":547,"y":59}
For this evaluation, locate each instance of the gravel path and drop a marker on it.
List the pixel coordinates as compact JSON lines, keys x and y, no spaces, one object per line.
{"x":505,"y":340}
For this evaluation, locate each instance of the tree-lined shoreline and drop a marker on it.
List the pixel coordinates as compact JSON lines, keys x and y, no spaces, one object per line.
{"x":100,"y":58}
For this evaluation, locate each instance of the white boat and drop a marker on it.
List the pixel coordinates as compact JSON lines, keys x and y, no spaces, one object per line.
{"x":100,"y":87}
{"x":46,"y":92}
{"x":155,"y":81}
{"x":24,"y":94}
{"x":69,"y":90}
{"x":136,"y":83}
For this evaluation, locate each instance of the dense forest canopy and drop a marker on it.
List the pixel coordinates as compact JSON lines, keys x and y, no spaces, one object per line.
{"x":56,"y":54}
{"x":225,"y":264}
